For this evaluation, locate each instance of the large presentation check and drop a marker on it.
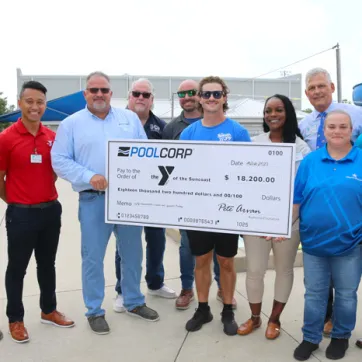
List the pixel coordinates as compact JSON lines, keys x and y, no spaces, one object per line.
{"x":229,"y":187}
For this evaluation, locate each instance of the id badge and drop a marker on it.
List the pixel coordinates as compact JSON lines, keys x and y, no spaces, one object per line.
{"x":35,"y":158}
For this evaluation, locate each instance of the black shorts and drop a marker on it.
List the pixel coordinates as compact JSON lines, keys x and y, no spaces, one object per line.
{"x":202,"y":242}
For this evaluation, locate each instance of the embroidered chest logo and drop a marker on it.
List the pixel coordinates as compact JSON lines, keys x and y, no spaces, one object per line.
{"x":50,"y":143}
{"x":155,"y":128}
{"x":224,"y":137}
{"x":354,"y":177}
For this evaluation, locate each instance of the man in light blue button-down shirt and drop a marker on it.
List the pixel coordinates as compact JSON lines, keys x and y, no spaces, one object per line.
{"x":78,"y":156}
{"x":319,"y":90}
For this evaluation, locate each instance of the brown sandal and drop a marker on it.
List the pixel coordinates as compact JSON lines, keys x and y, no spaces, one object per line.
{"x":272,"y":331}
{"x":248,"y":327}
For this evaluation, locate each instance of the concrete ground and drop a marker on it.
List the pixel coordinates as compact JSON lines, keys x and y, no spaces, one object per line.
{"x":136,"y":340}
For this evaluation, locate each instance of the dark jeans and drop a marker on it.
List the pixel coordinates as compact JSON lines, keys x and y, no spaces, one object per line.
{"x":28,"y":230}
{"x":155,"y":274}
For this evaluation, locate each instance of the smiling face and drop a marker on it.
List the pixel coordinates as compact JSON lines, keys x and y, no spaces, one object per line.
{"x":208,"y":101}
{"x":275,"y":114}
{"x":98,"y":94}
{"x":32,"y":104}
{"x":190,"y":102}
{"x":338,"y":129}
{"x":319,"y":91}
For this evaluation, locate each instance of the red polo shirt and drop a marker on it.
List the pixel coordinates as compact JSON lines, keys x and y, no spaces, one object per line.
{"x":28,"y":181}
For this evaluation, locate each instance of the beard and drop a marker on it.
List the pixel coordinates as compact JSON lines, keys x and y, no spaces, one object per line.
{"x":100,"y":106}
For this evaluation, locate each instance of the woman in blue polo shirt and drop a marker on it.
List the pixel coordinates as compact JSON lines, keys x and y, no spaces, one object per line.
{"x":280,"y":125}
{"x":328,"y":200}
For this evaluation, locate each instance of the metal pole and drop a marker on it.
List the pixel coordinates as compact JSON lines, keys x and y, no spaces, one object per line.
{"x":172,"y":106}
{"x":339,"y":81}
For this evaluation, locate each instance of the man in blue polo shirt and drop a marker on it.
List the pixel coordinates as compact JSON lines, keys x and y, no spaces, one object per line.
{"x":140,"y":101}
{"x":328,"y":199}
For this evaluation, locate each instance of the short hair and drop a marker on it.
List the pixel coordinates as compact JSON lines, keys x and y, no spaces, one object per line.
{"x":340,"y":112}
{"x":315,"y":71}
{"x":213,"y":79}
{"x":143,"y":80}
{"x":98,"y":74}
{"x":32,"y":84}
{"x":290,"y":128}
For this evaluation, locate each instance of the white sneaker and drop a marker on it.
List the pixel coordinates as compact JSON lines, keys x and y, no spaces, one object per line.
{"x":118,"y":304}
{"x":164,"y":292}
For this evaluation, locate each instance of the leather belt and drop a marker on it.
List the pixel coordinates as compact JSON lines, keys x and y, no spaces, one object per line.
{"x":42,"y":205}
{"x":94,"y":192}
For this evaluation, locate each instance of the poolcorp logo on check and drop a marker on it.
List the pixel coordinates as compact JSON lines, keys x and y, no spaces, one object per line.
{"x":154,"y":152}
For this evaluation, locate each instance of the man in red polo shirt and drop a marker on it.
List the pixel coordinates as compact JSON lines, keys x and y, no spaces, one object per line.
{"x":33,"y":215}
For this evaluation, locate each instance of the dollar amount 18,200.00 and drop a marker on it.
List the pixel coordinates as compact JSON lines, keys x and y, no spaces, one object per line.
{"x":266,"y":179}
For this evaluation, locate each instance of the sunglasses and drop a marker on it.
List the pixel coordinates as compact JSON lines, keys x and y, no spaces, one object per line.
{"x":96,"y":90}
{"x":215,"y":94}
{"x":145,"y":95}
{"x":190,"y":93}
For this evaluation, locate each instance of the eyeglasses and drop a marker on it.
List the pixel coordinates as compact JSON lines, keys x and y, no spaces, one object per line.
{"x":146,"y":95}
{"x":96,"y":90}
{"x":190,"y":93}
{"x":215,"y":94}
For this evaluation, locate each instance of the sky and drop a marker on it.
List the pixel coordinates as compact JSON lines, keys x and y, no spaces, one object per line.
{"x":229,"y":38}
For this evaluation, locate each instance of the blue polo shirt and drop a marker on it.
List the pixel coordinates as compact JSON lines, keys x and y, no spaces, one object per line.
{"x":330,"y":196}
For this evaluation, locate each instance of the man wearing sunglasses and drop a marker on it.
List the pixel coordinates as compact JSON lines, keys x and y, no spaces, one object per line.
{"x":214,"y":126}
{"x":191,"y":112}
{"x":78,"y":155}
{"x":140,"y":101}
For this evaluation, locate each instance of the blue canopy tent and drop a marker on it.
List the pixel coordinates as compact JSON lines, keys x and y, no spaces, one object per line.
{"x":57,"y":109}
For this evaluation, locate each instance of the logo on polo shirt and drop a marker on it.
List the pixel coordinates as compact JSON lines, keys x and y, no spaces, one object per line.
{"x":155,"y":128}
{"x":165,"y":172}
{"x":50,"y":143}
{"x":224,"y":137}
{"x":354,"y":177}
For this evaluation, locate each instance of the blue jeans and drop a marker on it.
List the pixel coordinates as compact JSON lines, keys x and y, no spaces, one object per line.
{"x":155,"y":273}
{"x":95,"y":236}
{"x":345,"y":272}
{"x":187,"y":264}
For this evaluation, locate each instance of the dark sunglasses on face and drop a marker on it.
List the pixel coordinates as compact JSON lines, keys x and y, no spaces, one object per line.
{"x":96,"y":90}
{"x":190,"y":93}
{"x":215,"y":94}
{"x":146,"y":95}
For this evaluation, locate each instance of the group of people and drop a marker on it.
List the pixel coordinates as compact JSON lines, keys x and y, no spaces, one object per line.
{"x":326,"y":211}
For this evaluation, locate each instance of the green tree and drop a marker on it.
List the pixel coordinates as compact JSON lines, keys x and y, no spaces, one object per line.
{"x":307,"y":110}
{"x":5,"y":108}
{"x":346,"y":101}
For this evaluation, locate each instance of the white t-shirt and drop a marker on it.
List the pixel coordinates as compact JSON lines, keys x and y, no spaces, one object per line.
{"x":301,"y":149}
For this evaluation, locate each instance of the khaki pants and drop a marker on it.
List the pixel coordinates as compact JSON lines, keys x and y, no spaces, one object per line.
{"x":257,"y":254}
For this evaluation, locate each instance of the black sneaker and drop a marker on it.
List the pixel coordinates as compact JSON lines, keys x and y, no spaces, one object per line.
{"x":228,"y":320}
{"x":145,"y":313}
{"x":305,"y":350}
{"x":337,"y":348}
{"x":98,"y":324}
{"x":200,"y":317}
